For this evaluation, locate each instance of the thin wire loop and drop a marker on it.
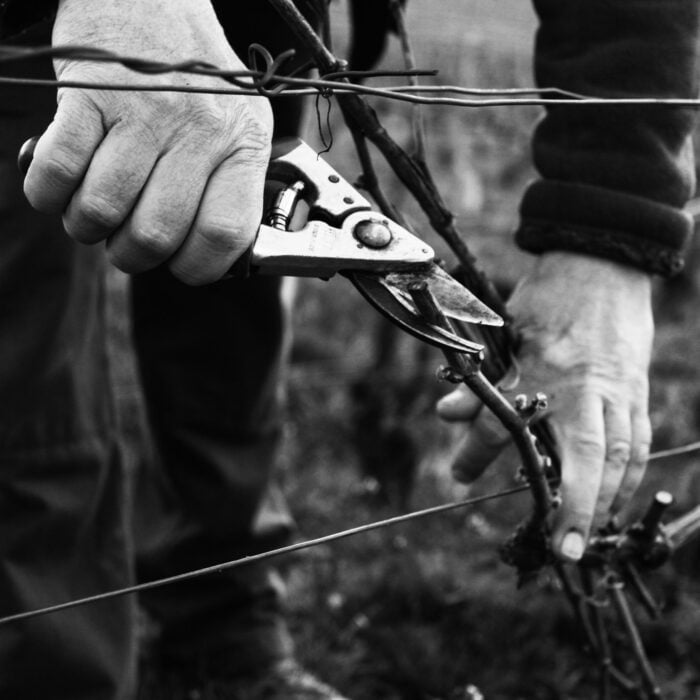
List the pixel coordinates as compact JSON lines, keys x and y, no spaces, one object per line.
{"x":257,"y":53}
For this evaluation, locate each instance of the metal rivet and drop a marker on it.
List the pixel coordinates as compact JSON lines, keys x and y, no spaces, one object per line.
{"x":373,"y":234}
{"x":348,"y":200}
{"x":334,"y":178}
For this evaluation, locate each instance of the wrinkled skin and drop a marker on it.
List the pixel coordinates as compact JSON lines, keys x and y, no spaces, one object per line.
{"x":160,"y":177}
{"x":587,"y":329}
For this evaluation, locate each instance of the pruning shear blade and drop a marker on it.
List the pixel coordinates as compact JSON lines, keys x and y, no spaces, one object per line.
{"x":455,"y":300}
{"x":375,"y":289}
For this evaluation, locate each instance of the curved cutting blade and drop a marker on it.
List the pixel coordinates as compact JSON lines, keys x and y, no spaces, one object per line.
{"x":455,"y":300}
{"x":373,"y":288}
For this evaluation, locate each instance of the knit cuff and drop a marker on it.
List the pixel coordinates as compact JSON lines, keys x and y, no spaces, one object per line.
{"x":614,"y":225}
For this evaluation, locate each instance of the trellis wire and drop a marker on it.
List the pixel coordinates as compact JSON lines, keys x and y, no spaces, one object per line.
{"x":258,"y":82}
{"x":262,"y":556}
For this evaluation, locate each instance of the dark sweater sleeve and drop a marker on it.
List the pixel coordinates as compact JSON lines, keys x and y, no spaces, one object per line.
{"x":614,"y":179}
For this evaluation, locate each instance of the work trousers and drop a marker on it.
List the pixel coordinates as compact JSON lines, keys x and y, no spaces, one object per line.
{"x":209,"y":360}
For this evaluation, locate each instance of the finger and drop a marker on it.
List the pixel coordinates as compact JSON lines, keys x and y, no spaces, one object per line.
{"x":63,"y":153}
{"x":227,"y":221}
{"x":639,"y":456}
{"x":163,"y":215}
{"x":119,"y":169}
{"x":618,"y":437}
{"x":459,"y":405}
{"x":484,"y":441}
{"x":580,"y":431}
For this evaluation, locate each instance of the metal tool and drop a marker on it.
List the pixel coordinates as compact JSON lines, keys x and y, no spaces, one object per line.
{"x":343,"y":234}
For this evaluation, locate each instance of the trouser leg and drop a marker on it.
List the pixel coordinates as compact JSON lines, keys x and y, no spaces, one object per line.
{"x":62,"y":518}
{"x":211,"y":360}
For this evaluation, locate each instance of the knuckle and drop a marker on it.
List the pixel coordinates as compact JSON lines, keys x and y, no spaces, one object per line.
{"x":93,"y":213}
{"x":618,"y":454}
{"x":152,"y":242}
{"x":220,"y":236}
{"x":640,"y":455}
{"x":587,"y":446}
{"x":575,"y":514}
{"x":61,"y":169}
{"x":254,"y":134}
{"x":208,"y":117}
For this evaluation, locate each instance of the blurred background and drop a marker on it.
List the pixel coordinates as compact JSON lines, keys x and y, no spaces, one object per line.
{"x":422,"y":610}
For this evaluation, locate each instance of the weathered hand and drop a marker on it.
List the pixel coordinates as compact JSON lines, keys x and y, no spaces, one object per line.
{"x":160,"y":176}
{"x":586,"y":329}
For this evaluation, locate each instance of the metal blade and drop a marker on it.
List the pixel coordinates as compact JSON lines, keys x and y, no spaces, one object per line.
{"x":374,"y":289}
{"x":455,"y":300}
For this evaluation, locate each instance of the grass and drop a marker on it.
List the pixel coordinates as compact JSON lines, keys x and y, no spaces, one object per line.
{"x":422,"y":610}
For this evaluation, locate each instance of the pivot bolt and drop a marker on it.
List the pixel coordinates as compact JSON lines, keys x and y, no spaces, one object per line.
{"x":373,"y":234}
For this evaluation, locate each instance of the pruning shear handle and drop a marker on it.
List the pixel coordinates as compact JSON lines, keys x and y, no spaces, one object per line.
{"x":343,"y":234}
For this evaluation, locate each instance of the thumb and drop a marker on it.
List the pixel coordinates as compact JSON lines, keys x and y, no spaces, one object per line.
{"x":485,"y":439}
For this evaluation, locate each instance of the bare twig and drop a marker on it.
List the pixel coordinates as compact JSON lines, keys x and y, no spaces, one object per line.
{"x":472,"y":376}
{"x":683,"y":529}
{"x":326,"y":25}
{"x":417,"y":120}
{"x":617,"y":593}
{"x":578,"y":605}
{"x":595,"y":647}
{"x":601,"y":633}
{"x":370,"y":182}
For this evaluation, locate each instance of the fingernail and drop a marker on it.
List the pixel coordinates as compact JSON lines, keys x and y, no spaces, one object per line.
{"x":572,"y":545}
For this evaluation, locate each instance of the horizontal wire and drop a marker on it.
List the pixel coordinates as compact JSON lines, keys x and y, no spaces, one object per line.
{"x":293,"y":86}
{"x":395,"y":94}
{"x":459,"y":89}
{"x":254,"y":558}
{"x":10,"y":52}
{"x":133,"y":87}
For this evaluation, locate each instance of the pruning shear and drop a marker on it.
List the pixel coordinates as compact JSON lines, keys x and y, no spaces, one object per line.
{"x":343,"y":234}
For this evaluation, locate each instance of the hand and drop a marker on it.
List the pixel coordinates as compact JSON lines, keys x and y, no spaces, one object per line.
{"x":159,"y":176}
{"x":586,"y":332}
